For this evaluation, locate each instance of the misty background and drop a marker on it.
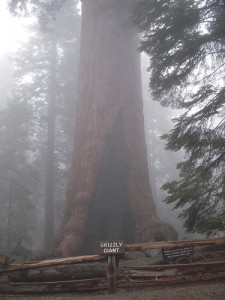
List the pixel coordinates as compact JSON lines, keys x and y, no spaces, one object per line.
{"x":36,"y":66}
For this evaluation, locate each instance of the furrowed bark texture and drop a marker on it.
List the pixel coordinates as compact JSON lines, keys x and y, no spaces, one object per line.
{"x":109,"y":194}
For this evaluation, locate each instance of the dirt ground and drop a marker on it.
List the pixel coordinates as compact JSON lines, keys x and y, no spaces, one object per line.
{"x":192,"y":291}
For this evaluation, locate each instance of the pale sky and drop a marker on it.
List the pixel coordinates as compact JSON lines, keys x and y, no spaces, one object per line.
{"x":12,"y":30}
{"x":12,"y":33}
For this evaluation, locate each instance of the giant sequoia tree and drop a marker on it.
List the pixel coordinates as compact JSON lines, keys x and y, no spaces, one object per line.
{"x":109,"y":194}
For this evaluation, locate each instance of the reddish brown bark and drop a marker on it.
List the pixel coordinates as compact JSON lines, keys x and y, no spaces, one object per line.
{"x":109,"y":195}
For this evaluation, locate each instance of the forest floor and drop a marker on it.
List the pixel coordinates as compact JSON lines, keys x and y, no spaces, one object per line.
{"x":214,"y":290}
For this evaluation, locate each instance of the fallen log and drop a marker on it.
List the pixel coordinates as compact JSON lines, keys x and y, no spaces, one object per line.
{"x":174,"y":244}
{"x":54,"y":275}
{"x":209,"y":256}
{"x":54,"y":287}
{"x":150,"y":274}
{"x":138,"y":282}
{"x":194,"y":268}
{"x":52,"y":262}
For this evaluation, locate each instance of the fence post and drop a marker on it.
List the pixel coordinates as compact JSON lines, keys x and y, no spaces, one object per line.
{"x":112,"y":274}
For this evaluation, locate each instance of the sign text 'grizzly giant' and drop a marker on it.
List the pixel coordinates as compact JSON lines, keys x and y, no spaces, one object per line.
{"x":111,"y":247}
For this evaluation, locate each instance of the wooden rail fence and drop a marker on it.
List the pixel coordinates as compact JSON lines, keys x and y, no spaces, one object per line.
{"x":87,"y":273}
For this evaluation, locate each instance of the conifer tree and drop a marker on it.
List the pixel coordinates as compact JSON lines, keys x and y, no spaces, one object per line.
{"x":185,"y":41}
{"x":45,"y":73}
{"x":18,"y":176}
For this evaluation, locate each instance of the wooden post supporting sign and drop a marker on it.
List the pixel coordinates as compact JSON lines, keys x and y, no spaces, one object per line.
{"x":112,"y":249}
{"x":111,"y":273}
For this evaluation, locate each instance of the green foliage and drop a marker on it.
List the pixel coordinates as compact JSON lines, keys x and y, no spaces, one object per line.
{"x":185,"y":41}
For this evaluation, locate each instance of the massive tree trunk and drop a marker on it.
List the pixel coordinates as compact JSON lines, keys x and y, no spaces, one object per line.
{"x":109,"y":195}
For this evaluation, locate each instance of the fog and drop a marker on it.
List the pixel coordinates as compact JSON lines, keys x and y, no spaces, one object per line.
{"x":38,"y":92}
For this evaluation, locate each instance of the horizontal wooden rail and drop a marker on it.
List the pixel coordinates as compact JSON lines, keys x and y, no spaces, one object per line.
{"x":52,"y":262}
{"x":174,"y":244}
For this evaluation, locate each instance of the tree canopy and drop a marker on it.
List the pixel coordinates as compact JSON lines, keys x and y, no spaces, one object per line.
{"x":185,"y":41}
